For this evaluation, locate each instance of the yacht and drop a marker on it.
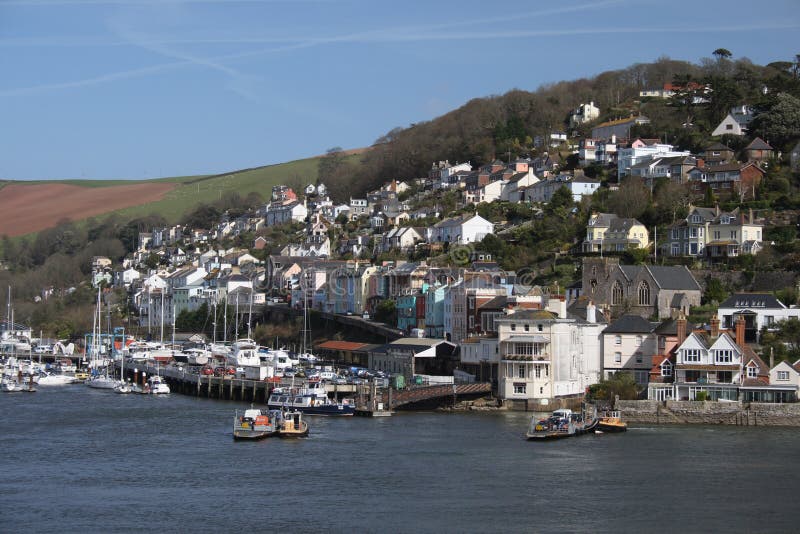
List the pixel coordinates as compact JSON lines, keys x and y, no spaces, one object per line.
{"x":245,"y":353}
{"x":156,"y":386}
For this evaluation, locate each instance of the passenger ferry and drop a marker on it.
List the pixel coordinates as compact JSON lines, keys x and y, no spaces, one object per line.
{"x":562,"y":423}
{"x":310,"y":401}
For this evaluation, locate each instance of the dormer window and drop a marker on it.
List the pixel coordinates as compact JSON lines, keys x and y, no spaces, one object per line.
{"x":752,"y":372}
{"x":696,"y":218}
{"x":666,"y":368}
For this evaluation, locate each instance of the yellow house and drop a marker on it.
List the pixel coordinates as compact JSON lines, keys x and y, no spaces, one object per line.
{"x":607,"y":232}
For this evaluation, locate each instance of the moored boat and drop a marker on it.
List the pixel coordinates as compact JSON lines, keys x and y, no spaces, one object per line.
{"x":310,"y":401}
{"x":56,"y":379}
{"x":255,"y":424}
{"x":291,"y":425}
{"x":561,"y":423}
{"x":612,"y":422}
{"x":156,"y":386}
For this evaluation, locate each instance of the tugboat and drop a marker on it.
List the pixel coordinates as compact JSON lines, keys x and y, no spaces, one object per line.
{"x":255,"y":424}
{"x":562,"y":423}
{"x":291,"y":425}
{"x":612,"y":422}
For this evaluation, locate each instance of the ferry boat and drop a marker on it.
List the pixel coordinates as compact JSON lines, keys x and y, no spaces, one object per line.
{"x":310,"y":401}
{"x":562,"y":423}
{"x":291,"y":425}
{"x":255,"y":424}
{"x":612,"y":422}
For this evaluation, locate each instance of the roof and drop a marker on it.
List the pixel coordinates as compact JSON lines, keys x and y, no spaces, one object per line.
{"x":752,"y":301}
{"x":629,"y":324}
{"x":542,"y":315}
{"x":758,"y":144}
{"x":673,"y":277}
{"x":535,"y":338}
{"x":342,"y":345}
{"x":668,"y":327}
{"x":718,"y":146}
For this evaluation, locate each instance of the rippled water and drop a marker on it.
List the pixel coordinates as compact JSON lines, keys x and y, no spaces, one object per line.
{"x":77,"y":459}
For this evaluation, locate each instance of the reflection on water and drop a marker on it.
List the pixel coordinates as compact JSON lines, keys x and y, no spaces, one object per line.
{"x":81,"y":459}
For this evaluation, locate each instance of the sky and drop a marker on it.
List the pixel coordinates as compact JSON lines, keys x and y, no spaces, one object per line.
{"x":133,"y":89}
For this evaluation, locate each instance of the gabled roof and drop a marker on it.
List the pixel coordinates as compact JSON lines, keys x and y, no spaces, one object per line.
{"x":673,"y":277}
{"x":758,"y":144}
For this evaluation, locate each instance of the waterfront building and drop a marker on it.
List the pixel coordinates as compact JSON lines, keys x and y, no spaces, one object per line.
{"x":759,"y":311}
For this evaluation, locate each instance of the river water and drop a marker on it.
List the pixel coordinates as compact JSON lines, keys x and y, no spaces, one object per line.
{"x":78,"y":459}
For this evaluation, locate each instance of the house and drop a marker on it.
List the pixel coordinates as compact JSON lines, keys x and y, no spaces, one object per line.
{"x":620,"y":128}
{"x":786,"y":375}
{"x":286,"y":211}
{"x":758,"y":150}
{"x":629,"y":344}
{"x":713,"y":233}
{"x":358,"y":208}
{"x":460,"y":230}
{"x":673,"y":168}
{"x":736,"y":122}
{"x":727,"y":180}
{"x":544,"y":355}
{"x":480,"y":356}
{"x":583,"y":114}
{"x":434,"y":359}
{"x":443,"y":175}
{"x":514,"y":188}
{"x":607,"y":232}
{"x":640,"y":152}
{"x":645,"y":290}
{"x":578,"y":186}
{"x":260,"y":243}
{"x":283,"y":192}
{"x":403,"y":238}
{"x":794,"y":158}
{"x":759,"y":310}
{"x":717,"y":154}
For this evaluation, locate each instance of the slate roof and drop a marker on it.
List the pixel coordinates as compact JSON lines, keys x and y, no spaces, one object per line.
{"x":630,"y":324}
{"x":752,"y":300}
{"x":665,"y":277}
{"x":758,"y":144}
{"x":668,"y":327}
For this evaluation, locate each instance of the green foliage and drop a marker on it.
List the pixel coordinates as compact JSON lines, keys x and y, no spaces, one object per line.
{"x":780,"y":121}
{"x":715,"y":291}
{"x":620,"y":384}
{"x":386,"y":312}
{"x":701,"y":396}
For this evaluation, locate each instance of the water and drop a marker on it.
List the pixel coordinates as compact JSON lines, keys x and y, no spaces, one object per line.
{"x":77,"y":459}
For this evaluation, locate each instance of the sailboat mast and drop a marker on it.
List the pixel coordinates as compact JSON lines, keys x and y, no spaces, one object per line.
{"x":162,"y":316}
{"x":225,"y":323}
{"x":250,"y":316}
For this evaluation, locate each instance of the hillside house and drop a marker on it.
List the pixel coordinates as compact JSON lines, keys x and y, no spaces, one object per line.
{"x":713,"y":233}
{"x":736,"y":122}
{"x":460,"y":230}
{"x":607,"y":232}
{"x":727,"y":180}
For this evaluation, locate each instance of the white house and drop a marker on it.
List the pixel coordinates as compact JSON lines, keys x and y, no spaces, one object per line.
{"x":285,"y":211}
{"x":785,"y":374}
{"x":583,"y":114}
{"x":460,"y":230}
{"x":403,"y":238}
{"x":639,"y":152}
{"x":544,"y":190}
{"x":628,"y":346}
{"x":736,"y":122}
{"x":545,"y":355}
{"x":759,"y":310}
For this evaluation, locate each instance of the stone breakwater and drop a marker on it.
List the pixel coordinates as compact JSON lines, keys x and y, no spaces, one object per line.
{"x":709,"y":413}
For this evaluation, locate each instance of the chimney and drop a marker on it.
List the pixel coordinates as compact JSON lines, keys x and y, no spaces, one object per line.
{"x":681,"y":322}
{"x":751,"y":216}
{"x":558,"y":306}
{"x":740,"y":330}
{"x":771,"y":357}
{"x":714,"y":326}
{"x":701,"y":163}
{"x":591,"y":315}
{"x":716,"y":209}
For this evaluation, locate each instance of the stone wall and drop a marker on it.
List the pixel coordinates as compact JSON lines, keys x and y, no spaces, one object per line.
{"x":709,"y":413}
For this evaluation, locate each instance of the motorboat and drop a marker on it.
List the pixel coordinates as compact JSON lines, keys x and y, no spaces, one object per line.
{"x":255,"y":424}
{"x":312,"y":400}
{"x":561,"y":423}
{"x":244,"y":353}
{"x":98,"y":381}
{"x":612,"y":422}
{"x":156,"y":386}
{"x":291,"y":425}
{"x":56,"y":379}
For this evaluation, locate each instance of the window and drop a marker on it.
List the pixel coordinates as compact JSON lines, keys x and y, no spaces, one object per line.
{"x":752,"y":372}
{"x":513,"y":327}
{"x":639,"y":340}
{"x":538,"y":370}
{"x":783,"y":375}
{"x":638,"y":357}
{"x":723,"y":356}
{"x":616,"y":294}
{"x":644,"y":294}
{"x":539,"y":327}
{"x":519,"y":388}
{"x":729,"y":126}
{"x":691,"y":355}
{"x":676,"y":249}
{"x":527,"y":328}
{"x":617,"y":357}
{"x":521,"y":372}
{"x":724,"y":377}
{"x":666,"y":369}
{"x":617,"y":340}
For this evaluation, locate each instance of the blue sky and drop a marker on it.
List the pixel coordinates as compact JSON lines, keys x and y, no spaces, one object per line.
{"x":153,"y":88}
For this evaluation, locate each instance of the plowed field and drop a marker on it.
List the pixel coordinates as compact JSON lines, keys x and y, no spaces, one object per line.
{"x":31,"y":208}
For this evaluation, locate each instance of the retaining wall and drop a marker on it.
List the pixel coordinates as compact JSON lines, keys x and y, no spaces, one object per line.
{"x":709,"y":413}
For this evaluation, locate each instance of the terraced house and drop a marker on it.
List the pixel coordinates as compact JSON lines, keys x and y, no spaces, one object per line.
{"x":710,"y":232}
{"x":607,"y":232}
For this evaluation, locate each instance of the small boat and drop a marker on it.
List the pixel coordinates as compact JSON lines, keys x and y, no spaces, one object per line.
{"x":291,"y":425}
{"x":10,"y":386}
{"x":55,"y":379}
{"x":99,"y":381}
{"x":255,"y":424}
{"x":562,"y":423}
{"x":611,"y":422}
{"x":156,"y":386}
{"x":123,"y":388}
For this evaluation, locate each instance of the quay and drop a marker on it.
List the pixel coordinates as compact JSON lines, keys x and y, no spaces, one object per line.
{"x":370,"y":400}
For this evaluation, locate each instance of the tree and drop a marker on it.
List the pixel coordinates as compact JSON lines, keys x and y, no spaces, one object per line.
{"x":562,"y":198}
{"x":386,"y":312}
{"x":781,"y":122}
{"x":631,"y":199}
{"x":722,"y":53}
{"x":620,"y":383}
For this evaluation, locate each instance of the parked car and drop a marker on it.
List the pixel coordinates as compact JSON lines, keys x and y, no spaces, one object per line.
{"x":289,"y":372}
{"x":207,"y":371}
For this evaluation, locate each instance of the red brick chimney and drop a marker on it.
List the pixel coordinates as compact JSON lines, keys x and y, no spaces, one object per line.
{"x":740,"y":331}
{"x":714,"y":326}
{"x":700,"y":163}
{"x":681,"y":322}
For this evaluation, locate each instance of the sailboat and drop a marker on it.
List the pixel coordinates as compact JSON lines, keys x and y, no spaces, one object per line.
{"x":98,"y":380}
{"x":306,"y":356}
